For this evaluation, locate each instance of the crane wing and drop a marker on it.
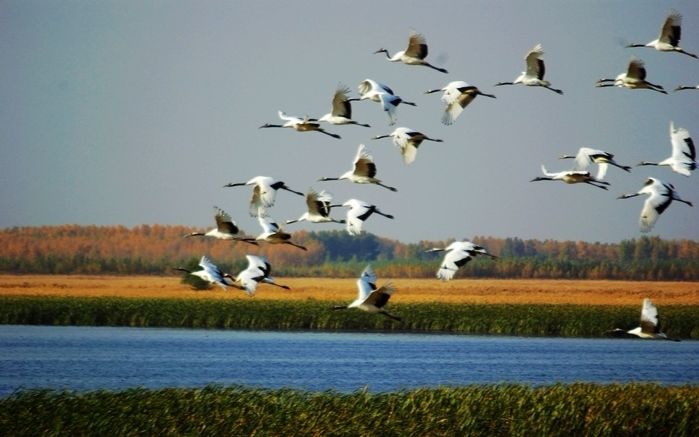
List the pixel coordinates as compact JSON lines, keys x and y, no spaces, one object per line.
{"x":363,"y":163}
{"x":224,"y":223}
{"x":409,"y":152}
{"x":356,"y":215}
{"x":248,"y":279}
{"x":354,"y":224}
{"x":212,"y":269}
{"x":341,"y":106}
{"x":417,"y":46}
{"x":383,"y":88}
{"x":268,"y":226}
{"x":380,"y":296}
{"x":682,"y":144}
{"x":453,"y":260}
{"x":601,"y":170}
{"x":318,"y":203}
{"x":672,"y":29}
{"x":649,"y":317}
{"x":636,"y":70}
{"x":260,"y":263}
{"x":452,"y":92}
{"x":654,"y":205}
{"x":535,"y":66}
{"x":366,"y":283}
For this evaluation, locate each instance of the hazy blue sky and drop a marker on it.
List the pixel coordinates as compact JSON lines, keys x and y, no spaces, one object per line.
{"x":132,"y":112}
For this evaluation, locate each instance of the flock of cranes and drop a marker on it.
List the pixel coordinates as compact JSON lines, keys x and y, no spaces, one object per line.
{"x":683,"y":158}
{"x":456,"y":96}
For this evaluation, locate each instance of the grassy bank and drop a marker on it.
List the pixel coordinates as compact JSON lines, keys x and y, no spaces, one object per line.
{"x":529,"y":320}
{"x":578,"y":409}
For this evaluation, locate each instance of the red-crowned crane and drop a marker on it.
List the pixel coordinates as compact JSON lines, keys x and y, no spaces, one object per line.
{"x":258,"y":270}
{"x":660,"y":196}
{"x":415,"y":54}
{"x":226,"y":228}
{"x":341,"y":110}
{"x":669,"y":38}
{"x":318,"y":208}
{"x":300,"y":125}
{"x":264,"y":193}
{"x":273,"y":234}
{"x":534,"y":75}
{"x":209,"y":272}
{"x":684,"y":155}
{"x":371,"y":298}
{"x":634,"y":78}
{"x":407,"y":140}
{"x":649,"y":329}
{"x":363,"y":170}
{"x":457,"y":95}
{"x":358,"y":213}
{"x":588,"y":155}
{"x":571,"y":177}
{"x":458,"y":254}
{"x":380,"y":93}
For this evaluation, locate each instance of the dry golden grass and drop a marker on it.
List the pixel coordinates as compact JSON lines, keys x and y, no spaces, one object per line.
{"x":512,"y":291}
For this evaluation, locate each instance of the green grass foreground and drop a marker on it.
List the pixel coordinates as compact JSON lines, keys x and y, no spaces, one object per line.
{"x":523,"y":320}
{"x":577,"y":409}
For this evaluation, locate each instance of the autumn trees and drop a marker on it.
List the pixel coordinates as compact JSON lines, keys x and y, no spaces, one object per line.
{"x":155,"y":249}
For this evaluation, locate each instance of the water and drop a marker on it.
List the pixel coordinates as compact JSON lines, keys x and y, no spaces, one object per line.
{"x":89,"y":358}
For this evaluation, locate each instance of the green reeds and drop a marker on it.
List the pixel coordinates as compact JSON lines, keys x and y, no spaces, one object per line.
{"x":524,"y":320}
{"x":518,"y":410}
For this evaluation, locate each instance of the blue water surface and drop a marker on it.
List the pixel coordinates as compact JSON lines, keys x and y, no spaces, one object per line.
{"x":90,"y":358}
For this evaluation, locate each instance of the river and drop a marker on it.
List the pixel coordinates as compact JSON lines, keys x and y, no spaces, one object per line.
{"x":115,"y":358}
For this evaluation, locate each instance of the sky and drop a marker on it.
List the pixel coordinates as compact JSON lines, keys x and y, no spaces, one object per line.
{"x":137,"y":112}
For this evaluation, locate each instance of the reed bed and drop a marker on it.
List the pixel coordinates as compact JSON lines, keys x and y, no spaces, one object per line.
{"x":518,"y":410}
{"x":681,"y":321}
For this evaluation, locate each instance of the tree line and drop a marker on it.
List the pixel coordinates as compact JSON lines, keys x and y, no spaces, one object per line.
{"x":156,"y":249}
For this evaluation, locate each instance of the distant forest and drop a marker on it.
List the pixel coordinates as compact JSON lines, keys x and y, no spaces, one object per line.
{"x":156,"y":249}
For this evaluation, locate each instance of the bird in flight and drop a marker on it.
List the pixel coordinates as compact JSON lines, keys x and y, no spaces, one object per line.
{"x":415,"y":54}
{"x":660,"y":196}
{"x":318,"y":208}
{"x":634,"y":78}
{"x":457,"y":255}
{"x":376,"y":92}
{"x":457,"y":95}
{"x":407,"y":140}
{"x":257,"y":271}
{"x":273,"y":234}
{"x":649,"y":329}
{"x":684,"y":154}
{"x":534,"y":74}
{"x":571,"y":177}
{"x":300,"y":125}
{"x":363,"y":170}
{"x":209,"y":272}
{"x":669,"y":38}
{"x":587,"y":156}
{"x":358,"y":213}
{"x":226,"y":228}
{"x":264,"y":193}
{"x":371,"y":298}
{"x":341,"y":110}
